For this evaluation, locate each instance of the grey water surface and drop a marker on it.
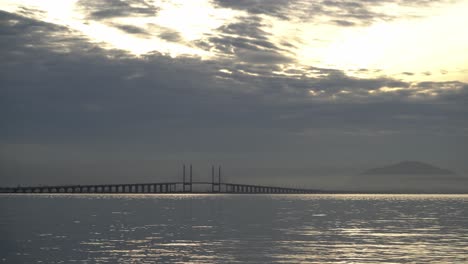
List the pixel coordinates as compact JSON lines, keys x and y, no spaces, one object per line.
{"x":197,"y":228}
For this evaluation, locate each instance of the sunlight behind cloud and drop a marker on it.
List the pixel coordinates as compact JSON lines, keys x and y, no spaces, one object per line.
{"x":417,"y":46}
{"x":193,"y":18}
{"x":189,"y":19}
{"x":421,"y":43}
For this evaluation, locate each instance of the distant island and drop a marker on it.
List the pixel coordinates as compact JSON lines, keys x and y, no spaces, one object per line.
{"x":408,"y":168}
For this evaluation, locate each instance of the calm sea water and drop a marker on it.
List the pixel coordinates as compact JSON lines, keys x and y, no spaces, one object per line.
{"x":233,"y":229}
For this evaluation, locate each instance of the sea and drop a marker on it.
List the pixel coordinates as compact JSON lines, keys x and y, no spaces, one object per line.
{"x":233,"y":228}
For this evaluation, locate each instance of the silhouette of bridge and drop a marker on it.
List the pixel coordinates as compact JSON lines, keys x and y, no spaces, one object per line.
{"x":186,"y":186}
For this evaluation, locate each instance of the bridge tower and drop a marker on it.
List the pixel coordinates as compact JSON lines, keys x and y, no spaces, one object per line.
{"x":187,"y":183}
{"x":219,"y":179}
{"x":191,"y":178}
{"x":215,"y":186}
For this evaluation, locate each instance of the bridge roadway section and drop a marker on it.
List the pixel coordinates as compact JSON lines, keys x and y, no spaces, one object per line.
{"x":165,"y":187}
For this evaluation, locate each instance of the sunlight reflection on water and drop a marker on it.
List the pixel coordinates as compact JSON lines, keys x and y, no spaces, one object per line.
{"x":234,"y":228}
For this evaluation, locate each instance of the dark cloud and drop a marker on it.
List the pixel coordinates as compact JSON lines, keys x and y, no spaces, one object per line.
{"x":165,"y":33}
{"x":340,"y":12}
{"x":150,"y":30}
{"x":343,"y":23}
{"x":132,"y":29}
{"x":106,"y":9}
{"x":408,"y":73}
{"x":171,"y":35}
{"x":275,"y":8}
{"x":21,"y":36}
{"x":27,"y":11}
{"x":247,"y":42}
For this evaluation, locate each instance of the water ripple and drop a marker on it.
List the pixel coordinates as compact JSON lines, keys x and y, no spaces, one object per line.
{"x":234,"y":229}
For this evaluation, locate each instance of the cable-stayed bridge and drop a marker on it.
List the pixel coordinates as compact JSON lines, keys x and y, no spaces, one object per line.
{"x":185,"y":186}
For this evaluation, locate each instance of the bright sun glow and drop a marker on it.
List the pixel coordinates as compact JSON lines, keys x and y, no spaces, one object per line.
{"x":418,"y":46}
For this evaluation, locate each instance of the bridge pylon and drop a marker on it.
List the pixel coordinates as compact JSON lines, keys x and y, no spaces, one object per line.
{"x":215,"y":186}
{"x":187,"y":185}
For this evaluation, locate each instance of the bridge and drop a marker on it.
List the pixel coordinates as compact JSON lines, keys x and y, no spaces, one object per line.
{"x":186,"y":186}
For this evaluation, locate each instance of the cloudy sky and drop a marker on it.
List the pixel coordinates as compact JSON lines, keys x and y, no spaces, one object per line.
{"x":110,"y":90}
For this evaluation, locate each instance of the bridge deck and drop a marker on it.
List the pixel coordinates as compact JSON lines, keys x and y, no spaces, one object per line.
{"x":184,"y":186}
{"x":161,"y":187}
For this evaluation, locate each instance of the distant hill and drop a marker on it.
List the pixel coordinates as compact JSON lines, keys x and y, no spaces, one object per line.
{"x":408,"y":168}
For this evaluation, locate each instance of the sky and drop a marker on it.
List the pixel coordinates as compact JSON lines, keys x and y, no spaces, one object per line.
{"x":282,"y":91}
